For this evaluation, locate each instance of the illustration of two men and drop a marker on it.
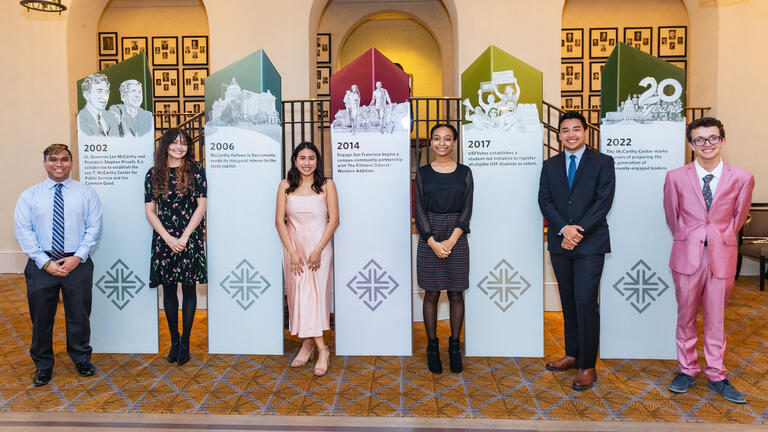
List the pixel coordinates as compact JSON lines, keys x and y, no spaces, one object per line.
{"x":125,"y":119}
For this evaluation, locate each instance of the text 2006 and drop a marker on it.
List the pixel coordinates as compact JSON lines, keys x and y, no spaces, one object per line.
{"x":222,"y":146}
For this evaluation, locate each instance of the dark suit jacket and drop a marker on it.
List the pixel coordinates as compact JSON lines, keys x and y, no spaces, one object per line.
{"x":586,"y":204}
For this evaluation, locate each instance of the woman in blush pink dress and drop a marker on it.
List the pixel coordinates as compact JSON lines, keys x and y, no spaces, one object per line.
{"x":306,"y":216}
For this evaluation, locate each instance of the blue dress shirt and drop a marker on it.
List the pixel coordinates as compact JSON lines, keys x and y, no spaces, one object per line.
{"x":33,"y":219}
{"x":578,"y":155}
{"x":568,"y":154}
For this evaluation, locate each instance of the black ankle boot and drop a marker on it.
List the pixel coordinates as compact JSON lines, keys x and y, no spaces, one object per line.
{"x":454,"y":352}
{"x":183,"y":355}
{"x":433,"y":356}
{"x":173,"y":354}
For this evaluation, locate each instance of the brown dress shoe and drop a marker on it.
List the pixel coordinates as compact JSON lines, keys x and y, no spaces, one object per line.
{"x":584,"y":379}
{"x":562,"y":364}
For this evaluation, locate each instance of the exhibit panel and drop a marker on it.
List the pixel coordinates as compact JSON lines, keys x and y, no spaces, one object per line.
{"x":501,"y":143}
{"x":116,"y":142}
{"x":243,"y":153}
{"x":370,"y":139}
{"x":643,"y":129}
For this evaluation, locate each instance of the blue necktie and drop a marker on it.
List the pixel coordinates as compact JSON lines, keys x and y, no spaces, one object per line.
{"x":57,"y":243}
{"x":571,"y":171}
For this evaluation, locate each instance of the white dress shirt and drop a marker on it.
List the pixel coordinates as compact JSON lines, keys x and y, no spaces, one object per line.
{"x":717,"y":173}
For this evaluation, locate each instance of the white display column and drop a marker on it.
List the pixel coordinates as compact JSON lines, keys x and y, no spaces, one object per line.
{"x":371,"y":167}
{"x":243,"y":149}
{"x":643,"y":129}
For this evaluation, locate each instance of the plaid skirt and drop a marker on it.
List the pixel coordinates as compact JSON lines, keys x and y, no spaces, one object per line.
{"x":451,"y":273}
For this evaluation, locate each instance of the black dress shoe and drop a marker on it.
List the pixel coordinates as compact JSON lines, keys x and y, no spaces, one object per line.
{"x":85,"y":368}
{"x":42,"y":377}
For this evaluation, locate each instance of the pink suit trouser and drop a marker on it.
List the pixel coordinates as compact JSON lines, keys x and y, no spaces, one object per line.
{"x":701,"y":287}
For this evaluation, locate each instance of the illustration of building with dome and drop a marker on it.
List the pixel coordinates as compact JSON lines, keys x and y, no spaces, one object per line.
{"x":238,"y":107}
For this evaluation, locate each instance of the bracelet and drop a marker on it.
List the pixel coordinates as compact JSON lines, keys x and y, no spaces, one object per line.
{"x":45,"y":266}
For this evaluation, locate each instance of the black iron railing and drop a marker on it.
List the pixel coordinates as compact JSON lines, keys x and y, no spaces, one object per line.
{"x":310,"y":120}
{"x":550,"y":119}
{"x":194,"y":124}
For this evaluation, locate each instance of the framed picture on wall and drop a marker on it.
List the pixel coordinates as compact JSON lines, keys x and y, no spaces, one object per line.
{"x":602,"y":41}
{"x":323,"y":80}
{"x":133,"y":46}
{"x":596,"y":76}
{"x":323,"y":48}
{"x":194,"y":81}
{"x":594,"y":101}
{"x":571,"y":102}
{"x":195,"y":50}
{"x":105,"y":63}
{"x":682,"y":64}
{"x":107,"y":43}
{"x":165,"y":51}
{"x":673,"y":41}
{"x":166,"y":83}
{"x":571,"y":76}
{"x":194,"y":106}
{"x":322,"y":113}
{"x":572,"y":43}
{"x":640,"y":38}
{"x":594,"y":104}
{"x":166,"y":107}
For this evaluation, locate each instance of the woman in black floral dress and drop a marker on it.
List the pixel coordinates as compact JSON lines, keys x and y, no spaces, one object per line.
{"x":175,"y":202}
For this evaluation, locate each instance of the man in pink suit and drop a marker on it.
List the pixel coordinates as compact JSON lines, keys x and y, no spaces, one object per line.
{"x":705,"y":202}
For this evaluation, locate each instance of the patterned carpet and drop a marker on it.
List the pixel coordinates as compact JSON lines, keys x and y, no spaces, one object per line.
{"x":517,"y":388}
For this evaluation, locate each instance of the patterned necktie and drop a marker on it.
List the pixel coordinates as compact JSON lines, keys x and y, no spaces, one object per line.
{"x":707,"y":191}
{"x":571,"y":171}
{"x":102,"y":125}
{"x":57,"y":243}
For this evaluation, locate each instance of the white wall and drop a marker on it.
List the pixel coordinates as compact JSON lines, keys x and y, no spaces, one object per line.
{"x":34,"y":113}
{"x":742,"y":69}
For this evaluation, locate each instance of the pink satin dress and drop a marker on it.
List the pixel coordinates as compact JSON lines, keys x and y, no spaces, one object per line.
{"x":309,"y":293}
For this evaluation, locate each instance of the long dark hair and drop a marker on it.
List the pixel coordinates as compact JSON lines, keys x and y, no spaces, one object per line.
{"x":161,"y":172}
{"x":294,"y":176}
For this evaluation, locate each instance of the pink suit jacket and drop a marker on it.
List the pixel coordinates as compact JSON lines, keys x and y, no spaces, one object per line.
{"x":691,"y":223}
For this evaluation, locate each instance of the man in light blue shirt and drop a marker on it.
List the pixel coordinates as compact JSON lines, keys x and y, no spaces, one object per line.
{"x":57,"y":223}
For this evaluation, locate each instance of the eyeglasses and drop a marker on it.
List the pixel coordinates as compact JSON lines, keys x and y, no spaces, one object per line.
{"x":701,"y":141}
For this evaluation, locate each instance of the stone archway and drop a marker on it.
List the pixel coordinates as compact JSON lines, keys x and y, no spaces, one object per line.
{"x":359,"y":14}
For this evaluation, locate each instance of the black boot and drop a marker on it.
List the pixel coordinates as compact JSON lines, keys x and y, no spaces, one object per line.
{"x":454,"y":352}
{"x":173,"y":354}
{"x":183,"y":355}
{"x":433,"y":356}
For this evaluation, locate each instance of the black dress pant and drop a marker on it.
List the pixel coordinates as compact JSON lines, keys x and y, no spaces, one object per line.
{"x":578,"y":280}
{"x":43,"y":297}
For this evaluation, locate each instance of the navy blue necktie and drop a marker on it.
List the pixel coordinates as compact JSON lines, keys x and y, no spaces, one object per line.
{"x":571,"y":171}
{"x":57,"y":243}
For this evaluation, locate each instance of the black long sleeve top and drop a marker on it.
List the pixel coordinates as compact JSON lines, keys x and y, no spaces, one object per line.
{"x":442,"y":193}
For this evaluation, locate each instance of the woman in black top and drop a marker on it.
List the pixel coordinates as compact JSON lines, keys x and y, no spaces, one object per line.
{"x":175,"y":202}
{"x":443,"y":207}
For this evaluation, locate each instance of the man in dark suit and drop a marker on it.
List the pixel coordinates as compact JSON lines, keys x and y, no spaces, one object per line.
{"x":575,"y":194}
